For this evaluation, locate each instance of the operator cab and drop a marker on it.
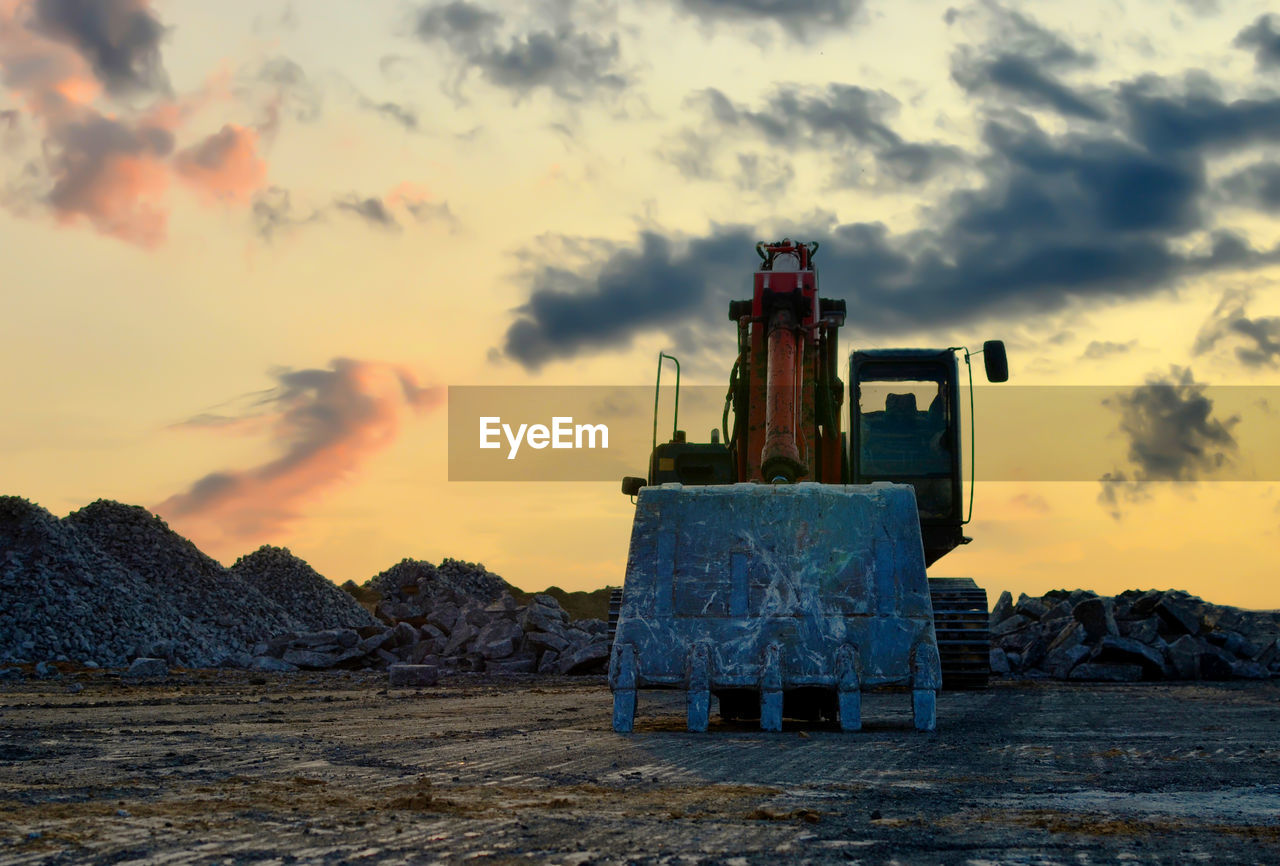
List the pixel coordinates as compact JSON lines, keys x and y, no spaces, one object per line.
{"x":904,"y":427}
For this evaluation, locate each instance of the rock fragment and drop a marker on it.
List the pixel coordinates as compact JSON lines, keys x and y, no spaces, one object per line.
{"x":147,"y":669}
{"x":1107,"y":673}
{"x":1166,"y":634}
{"x":1178,"y":615}
{"x":1097,"y":615}
{"x":407,"y":676}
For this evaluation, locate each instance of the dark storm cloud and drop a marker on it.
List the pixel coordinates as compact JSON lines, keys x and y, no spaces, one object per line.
{"x":1172,"y":434}
{"x":650,"y":287}
{"x":1230,"y":322}
{"x":1167,"y":119}
{"x":454,"y":20}
{"x":572,"y":63}
{"x":1022,"y":60}
{"x":1263,"y":38}
{"x":837,"y":119}
{"x":1083,"y":186}
{"x":799,"y":17}
{"x":119,"y":38}
{"x":1098,"y":213}
{"x":839,"y":112}
{"x":1257,"y":185}
{"x":1025,"y":78}
{"x":96,"y":139}
{"x":1057,"y":220}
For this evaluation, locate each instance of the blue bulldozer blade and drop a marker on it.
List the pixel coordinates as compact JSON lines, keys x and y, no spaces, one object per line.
{"x":775,"y":591}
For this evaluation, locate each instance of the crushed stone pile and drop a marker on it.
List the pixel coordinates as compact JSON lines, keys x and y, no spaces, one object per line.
{"x":230,"y":614}
{"x":112,"y":583}
{"x":1137,"y":635}
{"x":65,"y":598}
{"x":457,"y":616}
{"x":313,"y":601}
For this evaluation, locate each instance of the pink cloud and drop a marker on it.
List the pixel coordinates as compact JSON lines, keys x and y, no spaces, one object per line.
{"x":113,"y":175}
{"x":326,"y":422}
{"x":107,"y":164}
{"x":224,"y":166}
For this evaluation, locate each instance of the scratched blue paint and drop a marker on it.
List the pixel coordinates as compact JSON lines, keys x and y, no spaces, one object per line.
{"x":738,"y":584}
{"x":806,"y":568}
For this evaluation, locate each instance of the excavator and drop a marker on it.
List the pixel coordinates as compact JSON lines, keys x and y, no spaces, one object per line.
{"x":781,"y":566}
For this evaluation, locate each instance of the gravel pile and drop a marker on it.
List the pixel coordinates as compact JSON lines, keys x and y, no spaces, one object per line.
{"x":313,"y":601}
{"x":66,"y":599}
{"x":112,"y":583}
{"x":230,"y":614}
{"x":1139,"y":634}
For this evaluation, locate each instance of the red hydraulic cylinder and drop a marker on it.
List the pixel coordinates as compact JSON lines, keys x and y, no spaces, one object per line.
{"x":780,"y":458}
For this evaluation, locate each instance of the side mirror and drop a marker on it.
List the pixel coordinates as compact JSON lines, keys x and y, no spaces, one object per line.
{"x":631,"y":485}
{"x":995,"y":360}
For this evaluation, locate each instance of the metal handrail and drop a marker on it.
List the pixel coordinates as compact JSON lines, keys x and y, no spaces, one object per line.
{"x":675,"y":415}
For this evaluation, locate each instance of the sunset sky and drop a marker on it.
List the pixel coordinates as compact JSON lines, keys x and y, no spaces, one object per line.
{"x":245,"y":248}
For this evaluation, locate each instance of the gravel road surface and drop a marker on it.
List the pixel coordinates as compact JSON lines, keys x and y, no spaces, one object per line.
{"x":336,"y":768}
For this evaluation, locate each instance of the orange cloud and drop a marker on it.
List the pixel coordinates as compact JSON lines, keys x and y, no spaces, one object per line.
{"x":224,"y":166}
{"x":113,"y":170}
{"x":327,"y":422}
{"x":112,"y":175}
{"x":51,"y":79}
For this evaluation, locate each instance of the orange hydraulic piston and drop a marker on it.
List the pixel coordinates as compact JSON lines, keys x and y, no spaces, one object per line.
{"x":780,"y":458}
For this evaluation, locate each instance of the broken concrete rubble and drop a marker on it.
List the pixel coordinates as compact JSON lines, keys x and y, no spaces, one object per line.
{"x":457,"y":634}
{"x":1160,"y":634}
{"x":1181,"y":617}
{"x":1097,"y":615}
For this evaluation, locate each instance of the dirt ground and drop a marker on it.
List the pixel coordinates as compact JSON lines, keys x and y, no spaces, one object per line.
{"x":236,"y":768}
